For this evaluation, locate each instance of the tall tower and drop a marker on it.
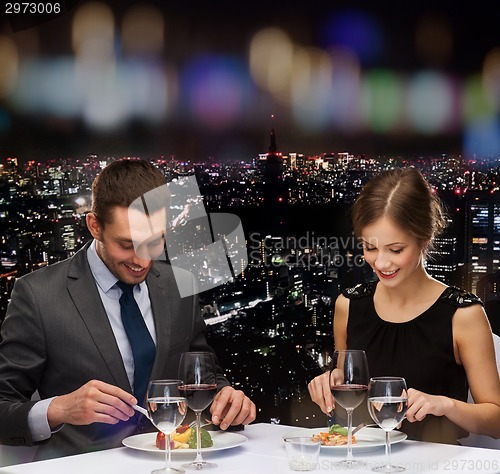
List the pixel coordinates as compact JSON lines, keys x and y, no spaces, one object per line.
{"x":273,"y":170}
{"x":275,"y":195}
{"x":272,"y":147}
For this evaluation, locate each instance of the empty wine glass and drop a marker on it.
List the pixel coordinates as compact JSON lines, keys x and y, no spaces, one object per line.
{"x":387,"y":404}
{"x":199,"y":373}
{"x":167,"y":408}
{"x":349,"y":386}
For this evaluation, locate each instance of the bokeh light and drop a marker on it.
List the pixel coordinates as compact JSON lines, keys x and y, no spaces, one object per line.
{"x":93,"y":32}
{"x":482,"y":138}
{"x":346,"y":87}
{"x":9,"y":63}
{"x":334,"y":74}
{"x":312,"y":88}
{"x":107,"y":99}
{"x":357,"y":31}
{"x":476,"y":105}
{"x":491,"y":77}
{"x":102,"y":86}
{"x":216,"y":89}
{"x":271,"y":62}
{"x":27,"y":97}
{"x":382,"y":100}
{"x":143,"y":31}
{"x":434,"y":40}
{"x":58,"y":94}
{"x":430,"y":102}
{"x":104,"y":106}
{"x":94,"y":85}
{"x":150,"y":90}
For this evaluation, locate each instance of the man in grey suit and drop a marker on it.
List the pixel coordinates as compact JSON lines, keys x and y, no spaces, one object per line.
{"x":63,"y":334}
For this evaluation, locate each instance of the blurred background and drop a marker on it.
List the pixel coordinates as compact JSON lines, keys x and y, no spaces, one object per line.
{"x":200,"y":79}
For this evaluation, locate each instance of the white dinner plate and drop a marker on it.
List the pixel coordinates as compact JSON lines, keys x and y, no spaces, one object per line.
{"x":366,"y":439}
{"x":221,"y":439}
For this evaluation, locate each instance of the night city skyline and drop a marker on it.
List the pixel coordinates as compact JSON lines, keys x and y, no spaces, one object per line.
{"x":279,"y":311}
{"x":349,"y":88}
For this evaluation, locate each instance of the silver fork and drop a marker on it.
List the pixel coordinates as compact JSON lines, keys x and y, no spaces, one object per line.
{"x":362,"y":425}
{"x":141,"y":410}
{"x":193,"y":423}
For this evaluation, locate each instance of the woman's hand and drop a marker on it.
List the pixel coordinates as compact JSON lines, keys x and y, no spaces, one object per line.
{"x":421,"y":404}
{"x":320,"y":390}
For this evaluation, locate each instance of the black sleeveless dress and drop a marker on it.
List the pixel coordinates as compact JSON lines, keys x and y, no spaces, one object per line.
{"x":420,"y":350}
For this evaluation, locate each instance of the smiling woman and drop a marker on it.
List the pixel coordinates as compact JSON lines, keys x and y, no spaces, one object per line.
{"x":407,"y":320}
{"x":389,"y":251}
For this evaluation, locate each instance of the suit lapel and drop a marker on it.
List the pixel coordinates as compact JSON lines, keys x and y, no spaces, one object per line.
{"x":84,"y":293}
{"x":160,"y":305}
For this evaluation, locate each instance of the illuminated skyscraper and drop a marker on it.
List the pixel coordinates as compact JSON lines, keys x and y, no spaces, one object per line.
{"x":488,"y":287}
{"x":443,"y":262}
{"x":482,"y":242}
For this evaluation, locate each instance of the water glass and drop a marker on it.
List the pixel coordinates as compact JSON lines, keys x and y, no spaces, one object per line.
{"x":167,"y":408}
{"x":387,"y":405}
{"x":302,"y":453}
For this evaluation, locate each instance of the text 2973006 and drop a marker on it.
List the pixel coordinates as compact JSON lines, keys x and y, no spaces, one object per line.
{"x":14,"y":8}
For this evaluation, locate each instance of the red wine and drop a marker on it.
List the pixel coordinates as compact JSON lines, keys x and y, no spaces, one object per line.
{"x":349,"y":396}
{"x":198,"y":396}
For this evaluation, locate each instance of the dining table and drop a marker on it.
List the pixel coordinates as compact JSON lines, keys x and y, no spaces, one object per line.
{"x":262,"y":451}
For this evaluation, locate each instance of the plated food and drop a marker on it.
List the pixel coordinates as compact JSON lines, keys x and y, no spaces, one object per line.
{"x":366,"y":439}
{"x":184,"y":438}
{"x":221,"y":440}
{"x":335,"y":436}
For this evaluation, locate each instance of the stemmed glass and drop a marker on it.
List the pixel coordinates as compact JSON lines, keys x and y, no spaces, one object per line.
{"x":349,"y":386}
{"x":199,"y":373}
{"x":387,"y":404}
{"x":167,"y":408}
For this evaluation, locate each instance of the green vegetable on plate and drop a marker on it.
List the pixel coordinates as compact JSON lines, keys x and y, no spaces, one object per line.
{"x":334,"y":429}
{"x":206,"y":439}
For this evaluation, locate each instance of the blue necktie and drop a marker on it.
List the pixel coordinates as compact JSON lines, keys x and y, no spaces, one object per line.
{"x":143,"y":347}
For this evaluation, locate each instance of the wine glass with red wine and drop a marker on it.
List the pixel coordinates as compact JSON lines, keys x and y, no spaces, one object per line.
{"x":199,"y":373}
{"x":349,"y":384}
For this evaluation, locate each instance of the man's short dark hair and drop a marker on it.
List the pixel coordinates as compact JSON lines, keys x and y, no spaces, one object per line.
{"x":121,"y":183}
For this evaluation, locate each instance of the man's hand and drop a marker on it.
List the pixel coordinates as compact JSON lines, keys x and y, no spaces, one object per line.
{"x":95,"y":401}
{"x":232,"y":407}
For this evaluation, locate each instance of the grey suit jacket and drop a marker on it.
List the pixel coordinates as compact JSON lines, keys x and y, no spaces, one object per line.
{"x":56,"y":337}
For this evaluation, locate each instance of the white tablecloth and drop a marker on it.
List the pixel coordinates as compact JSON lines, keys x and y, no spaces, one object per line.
{"x":264,"y":453}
